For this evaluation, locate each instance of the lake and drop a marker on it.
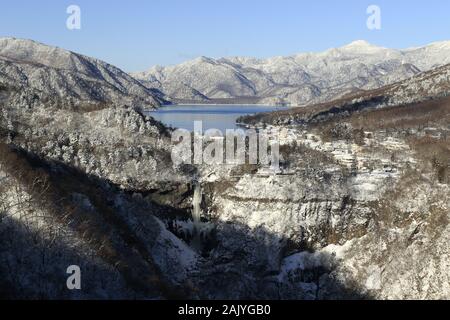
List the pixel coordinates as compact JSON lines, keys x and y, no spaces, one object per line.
{"x":220,"y":117}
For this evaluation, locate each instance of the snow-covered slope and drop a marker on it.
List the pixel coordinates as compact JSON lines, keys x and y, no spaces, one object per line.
{"x":425,"y":86}
{"x":431,"y":56}
{"x":297,"y":80}
{"x":68,"y":78}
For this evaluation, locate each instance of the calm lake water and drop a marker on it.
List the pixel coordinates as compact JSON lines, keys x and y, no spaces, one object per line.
{"x":220,"y":117}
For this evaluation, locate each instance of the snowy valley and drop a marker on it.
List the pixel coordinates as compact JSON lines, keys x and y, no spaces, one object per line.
{"x":360,"y":208}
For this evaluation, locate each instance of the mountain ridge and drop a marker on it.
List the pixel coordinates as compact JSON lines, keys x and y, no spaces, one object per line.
{"x":30,"y":65}
{"x":301,"y":79}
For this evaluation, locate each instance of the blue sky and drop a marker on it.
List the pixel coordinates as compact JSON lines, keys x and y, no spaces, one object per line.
{"x":137,"y":34}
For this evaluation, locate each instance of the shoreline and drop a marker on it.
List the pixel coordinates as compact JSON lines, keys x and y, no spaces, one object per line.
{"x":225,"y":104}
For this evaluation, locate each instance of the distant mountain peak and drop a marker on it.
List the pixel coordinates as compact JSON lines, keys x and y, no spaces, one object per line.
{"x":205,"y":59}
{"x":359,"y":43}
{"x":361,"y":46}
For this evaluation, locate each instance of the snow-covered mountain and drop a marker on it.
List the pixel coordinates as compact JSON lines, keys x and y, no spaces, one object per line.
{"x":432,"y":85}
{"x":297,"y":80}
{"x":359,"y":209}
{"x":68,"y":78}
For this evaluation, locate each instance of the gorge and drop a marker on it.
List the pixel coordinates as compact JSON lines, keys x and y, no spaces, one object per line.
{"x":358,"y":210}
